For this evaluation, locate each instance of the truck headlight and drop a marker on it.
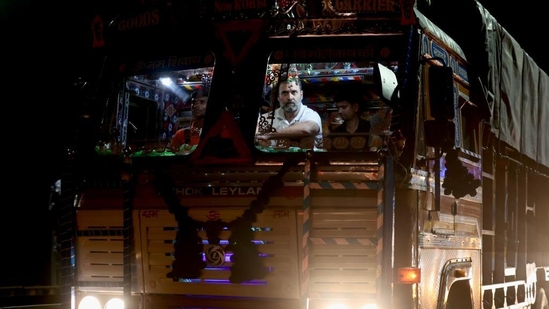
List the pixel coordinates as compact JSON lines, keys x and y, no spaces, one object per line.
{"x":89,"y":302}
{"x":92,"y":302}
{"x":115,"y":303}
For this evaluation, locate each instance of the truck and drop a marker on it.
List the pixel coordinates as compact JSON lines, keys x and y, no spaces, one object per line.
{"x":443,"y":204}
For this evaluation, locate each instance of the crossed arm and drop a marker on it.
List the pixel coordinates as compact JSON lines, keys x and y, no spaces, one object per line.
{"x":299,"y":129}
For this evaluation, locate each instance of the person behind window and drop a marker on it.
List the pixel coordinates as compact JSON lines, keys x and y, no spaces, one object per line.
{"x":349,"y":102}
{"x":348,"y":106}
{"x":191,"y":135}
{"x":292,"y":120}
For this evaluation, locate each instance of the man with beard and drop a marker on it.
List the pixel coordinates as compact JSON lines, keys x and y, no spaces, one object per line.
{"x":293,"y":120}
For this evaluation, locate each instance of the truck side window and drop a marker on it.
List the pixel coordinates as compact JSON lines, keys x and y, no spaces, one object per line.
{"x":160,"y":112}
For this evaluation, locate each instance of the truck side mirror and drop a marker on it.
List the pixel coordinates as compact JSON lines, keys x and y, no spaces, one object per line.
{"x":439,"y":133}
{"x":441,"y":92}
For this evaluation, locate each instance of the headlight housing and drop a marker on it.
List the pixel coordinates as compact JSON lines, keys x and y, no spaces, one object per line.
{"x":89,"y":302}
{"x":93,"y":302}
{"x":338,"y":305}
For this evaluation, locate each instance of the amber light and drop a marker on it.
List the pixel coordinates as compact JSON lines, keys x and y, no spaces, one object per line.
{"x":409,"y":275}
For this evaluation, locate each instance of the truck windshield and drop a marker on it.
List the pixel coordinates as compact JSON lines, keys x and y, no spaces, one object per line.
{"x":337,"y":98}
{"x":161,"y":111}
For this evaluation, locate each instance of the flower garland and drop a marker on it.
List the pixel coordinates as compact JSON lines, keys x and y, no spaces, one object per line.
{"x":188,"y":247}
{"x":247,"y":264}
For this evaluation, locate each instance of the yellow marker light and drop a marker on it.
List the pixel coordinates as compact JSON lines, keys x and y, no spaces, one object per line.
{"x":409,"y":275}
{"x":460,"y":273}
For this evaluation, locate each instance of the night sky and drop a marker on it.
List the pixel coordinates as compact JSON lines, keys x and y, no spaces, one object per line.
{"x":42,"y":48}
{"x":526,"y":21}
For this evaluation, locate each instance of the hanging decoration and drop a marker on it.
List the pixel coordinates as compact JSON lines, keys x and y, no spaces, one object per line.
{"x":276,"y":74}
{"x":215,"y":256}
{"x":247,"y":264}
{"x":458,"y":181}
{"x":189,"y":249}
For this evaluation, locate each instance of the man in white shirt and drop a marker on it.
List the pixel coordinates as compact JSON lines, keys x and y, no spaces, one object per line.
{"x":292,"y":120}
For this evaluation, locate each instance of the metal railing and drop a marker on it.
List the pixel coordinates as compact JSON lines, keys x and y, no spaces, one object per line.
{"x":509,"y":295}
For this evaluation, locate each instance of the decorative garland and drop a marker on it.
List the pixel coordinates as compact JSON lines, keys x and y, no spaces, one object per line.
{"x":188,"y":248}
{"x":247,"y":265}
{"x":188,"y":245}
{"x":457,"y":179}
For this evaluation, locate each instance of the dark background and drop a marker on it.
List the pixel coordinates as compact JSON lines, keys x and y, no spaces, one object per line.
{"x":526,"y":21}
{"x":42,"y":48}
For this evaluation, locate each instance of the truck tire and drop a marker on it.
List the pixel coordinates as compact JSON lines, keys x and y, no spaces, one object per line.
{"x":541,"y":300}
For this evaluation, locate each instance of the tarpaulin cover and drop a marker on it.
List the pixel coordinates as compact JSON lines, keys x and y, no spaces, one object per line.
{"x":520,"y":111}
{"x":517,"y":89}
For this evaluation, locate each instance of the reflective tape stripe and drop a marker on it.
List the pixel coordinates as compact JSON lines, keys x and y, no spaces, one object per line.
{"x":306,"y":227}
{"x":342,"y":241}
{"x":344,"y":185}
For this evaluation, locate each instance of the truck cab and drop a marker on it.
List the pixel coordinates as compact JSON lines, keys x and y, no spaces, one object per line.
{"x":399,"y":216}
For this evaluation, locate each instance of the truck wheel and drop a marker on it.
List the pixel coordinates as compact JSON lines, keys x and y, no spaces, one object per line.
{"x":541,"y":300}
